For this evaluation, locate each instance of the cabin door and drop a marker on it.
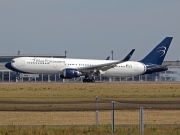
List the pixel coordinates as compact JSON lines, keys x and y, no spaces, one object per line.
{"x":135,"y":67}
{"x":22,"y":62}
{"x":55,"y":65}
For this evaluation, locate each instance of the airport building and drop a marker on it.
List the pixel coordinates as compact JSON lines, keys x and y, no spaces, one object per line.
{"x":173,"y":74}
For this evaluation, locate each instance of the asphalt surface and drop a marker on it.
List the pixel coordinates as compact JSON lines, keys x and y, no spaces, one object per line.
{"x":86,"y":105}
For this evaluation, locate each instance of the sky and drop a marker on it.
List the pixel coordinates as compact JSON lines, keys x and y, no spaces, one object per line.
{"x":89,"y":29}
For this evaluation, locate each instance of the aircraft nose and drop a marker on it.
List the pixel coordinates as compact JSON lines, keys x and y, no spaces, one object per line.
{"x":8,"y":65}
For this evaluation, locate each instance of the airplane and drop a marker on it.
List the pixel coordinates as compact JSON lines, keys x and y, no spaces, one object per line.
{"x":88,"y":68}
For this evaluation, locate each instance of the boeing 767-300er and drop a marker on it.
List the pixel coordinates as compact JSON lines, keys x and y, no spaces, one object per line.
{"x":70,"y":68}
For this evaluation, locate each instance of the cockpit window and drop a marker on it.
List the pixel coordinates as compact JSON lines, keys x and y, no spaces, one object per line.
{"x":12,"y":61}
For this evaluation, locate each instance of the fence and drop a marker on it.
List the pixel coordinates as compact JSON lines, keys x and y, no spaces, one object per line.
{"x":100,"y":112}
{"x":121,"y":117}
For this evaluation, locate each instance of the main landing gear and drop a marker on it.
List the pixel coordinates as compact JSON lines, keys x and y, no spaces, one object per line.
{"x":87,"y":79}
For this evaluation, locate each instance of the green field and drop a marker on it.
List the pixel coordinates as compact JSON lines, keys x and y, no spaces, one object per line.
{"x":31,"y":101}
{"x":33,"y":96}
{"x":87,"y":130}
{"x":78,"y":92}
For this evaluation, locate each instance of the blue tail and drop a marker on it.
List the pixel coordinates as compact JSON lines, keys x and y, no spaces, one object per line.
{"x":156,"y":56}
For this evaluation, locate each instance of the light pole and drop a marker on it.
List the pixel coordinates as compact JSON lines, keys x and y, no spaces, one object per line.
{"x":19,"y":53}
{"x":177,"y":62}
{"x":65,"y":53}
{"x":112,"y":54}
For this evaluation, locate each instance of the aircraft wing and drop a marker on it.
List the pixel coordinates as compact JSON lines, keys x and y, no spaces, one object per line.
{"x":106,"y":66}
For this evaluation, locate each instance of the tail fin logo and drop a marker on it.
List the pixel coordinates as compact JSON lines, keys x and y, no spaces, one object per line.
{"x":162,"y":51}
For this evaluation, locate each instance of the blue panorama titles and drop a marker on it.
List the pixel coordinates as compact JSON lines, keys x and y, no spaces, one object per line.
{"x":47,"y":61}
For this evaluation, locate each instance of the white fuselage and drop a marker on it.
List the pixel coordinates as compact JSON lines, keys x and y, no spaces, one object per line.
{"x":41,"y":65}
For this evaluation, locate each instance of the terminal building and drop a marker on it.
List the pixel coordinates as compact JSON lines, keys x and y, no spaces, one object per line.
{"x":173,"y":74}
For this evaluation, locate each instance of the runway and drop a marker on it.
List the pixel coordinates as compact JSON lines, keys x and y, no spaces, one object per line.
{"x":86,"y":105}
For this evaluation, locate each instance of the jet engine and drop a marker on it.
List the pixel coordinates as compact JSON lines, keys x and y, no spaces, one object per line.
{"x":69,"y":73}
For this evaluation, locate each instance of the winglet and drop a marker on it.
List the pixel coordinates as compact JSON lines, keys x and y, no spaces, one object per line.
{"x":106,"y":66}
{"x":129,"y":55}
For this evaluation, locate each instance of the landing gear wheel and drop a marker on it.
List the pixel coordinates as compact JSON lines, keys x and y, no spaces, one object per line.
{"x":84,"y":80}
{"x":92,"y":80}
{"x":88,"y":80}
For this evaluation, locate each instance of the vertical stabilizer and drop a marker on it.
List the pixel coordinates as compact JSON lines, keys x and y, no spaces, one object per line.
{"x":157,"y":55}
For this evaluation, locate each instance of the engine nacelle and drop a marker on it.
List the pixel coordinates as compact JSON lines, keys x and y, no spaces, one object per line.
{"x":69,"y":73}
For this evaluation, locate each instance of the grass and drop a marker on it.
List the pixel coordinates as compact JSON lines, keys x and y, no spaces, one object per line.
{"x":45,"y":96}
{"x":46,"y":104}
{"x":126,"y":117}
{"x":87,"y":130}
{"x":83,"y":91}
